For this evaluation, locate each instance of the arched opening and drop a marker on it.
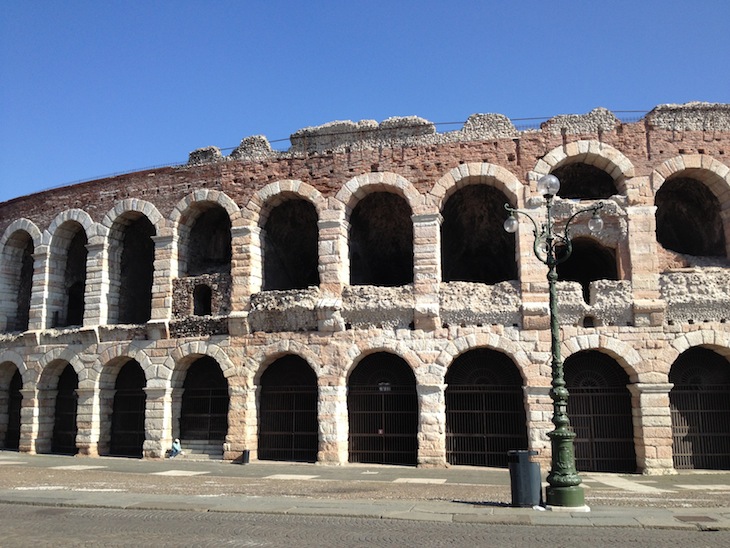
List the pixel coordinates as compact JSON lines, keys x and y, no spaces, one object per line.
{"x":688,"y":218}
{"x":474,"y":245}
{"x":288,"y":429}
{"x":128,"y":412}
{"x":64,"y":419}
{"x":599,"y":408}
{"x":700,"y":404}
{"x":17,"y":280}
{"x":382,"y":408}
{"x":75,"y":279}
{"x":12,"y":400}
{"x":136,"y":270}
{"x":381,"y":241}
{"x":202,"y":300}
{"x":588,"y":262}
{"x":485,"y":409}
{"x":204,"y":411}
{"x":209,"y":244}
{"x":290,"y":246}
{"x":579,"y":181}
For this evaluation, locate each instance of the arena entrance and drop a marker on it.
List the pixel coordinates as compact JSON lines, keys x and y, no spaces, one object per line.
{"x":14,"y":401}
{"x":485,"y":409}
{"x":599,"y":407}
{"x":700,"y":404}
{"x":288,"y":429}
{"x":128,"y":434}
{"x":204,"y":412}
{"x":382,"y":406}
{"x":64,"y":423}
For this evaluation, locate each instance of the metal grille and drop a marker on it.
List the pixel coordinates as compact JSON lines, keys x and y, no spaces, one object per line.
{"x":383,"y":411}
{"x":204,"y":414}
{"x":700,"y":406}
{"x":64,"y":425}
{"x":15,"y":399}
{"x":288,"y":423}
{"x":599,"y":408}
{"x":128,"y":434}
{"x":485,"y":410}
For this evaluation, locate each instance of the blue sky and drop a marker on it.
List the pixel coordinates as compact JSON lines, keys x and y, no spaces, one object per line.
{"x":90,"y":88}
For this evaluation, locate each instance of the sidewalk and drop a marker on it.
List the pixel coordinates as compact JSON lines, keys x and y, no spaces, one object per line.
{"x":456,"y":494}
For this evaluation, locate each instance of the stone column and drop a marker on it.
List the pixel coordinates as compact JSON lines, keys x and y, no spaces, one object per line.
{"x":157,"y":421}
{"x":427,"y":269}
{"x":28,"y":420}
{"x":46,"y":419}
{"x":432,"y":425}
{"x":333,"y":424}
{"x":38,"y":317}
{"x":539,"y":410}
{"x":652,"y":427}
{"x":87,"y":421}
{"x":165,"y":269}
{"x":649,"y":309}
{"x":238,"y":415}
{"x":106,"y":408}
{"x":333,"y":261}
{"x":96,"y":291}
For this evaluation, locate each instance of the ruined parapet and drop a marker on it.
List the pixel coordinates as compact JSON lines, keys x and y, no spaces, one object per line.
{"x":183,"y":294}
{"x":467,"y":303}
{"x":290,"y":310}
{"x":366,"y":306}
{"x":610,"y":302}
{"x":195,"y":326}
{"x":204,"y":155}
{"x":256,"y":147}
{"x":599,"y":119}
{"x":485,"y":127}
{"x":694,"y":116}
{"x":696,"y":295}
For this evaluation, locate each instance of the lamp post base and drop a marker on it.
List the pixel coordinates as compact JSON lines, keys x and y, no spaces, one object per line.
{"x":571,"y":498}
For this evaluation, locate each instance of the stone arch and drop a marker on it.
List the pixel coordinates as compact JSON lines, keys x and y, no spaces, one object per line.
{"x":18,"y":245}
{"x":624,"y":354}
{"x":184,"y":355}
{"x":589,"y":152}
{"x":270,"y":353}
{"x":713,"y":339}
{"x":477,"y":173}
{"x":29,"y":375}
{"x":118,"y":353}
{"x":256,"y":211}
{"x":359,"y":187}
{"x":50,"y":362}
{"x":394,"y":347}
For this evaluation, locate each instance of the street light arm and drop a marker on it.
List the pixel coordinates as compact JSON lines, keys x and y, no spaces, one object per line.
{"x":565,"y":238}
{"x":539,"y":233}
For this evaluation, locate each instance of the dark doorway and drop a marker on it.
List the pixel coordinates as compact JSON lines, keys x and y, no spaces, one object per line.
{"x":599,"y":408}
{"x":15,"y":400}
{"x":474,"y":245}
{"x":382,"y":406}
{"x":136,"y":272}
{"x":128,"y":433}
{"x":700,"y":404}
{"x":25,"y":286}
{"x":202,"y":300}
{"x":64,"y":422}
{"x":75,"y":279}
{"x":204,"y":413}
{"x":288,"y":428}
{"x":584,"y":182}
{"x":209,"y":247}
{"x":381,"y":241}
{"x":290,"y":246}
{"x":688,"y":218}
{"x":485,"y":409}
{"x":588,"y":262}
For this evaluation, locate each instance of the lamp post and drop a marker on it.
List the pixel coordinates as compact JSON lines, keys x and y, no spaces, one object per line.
{"x":553,"y":248}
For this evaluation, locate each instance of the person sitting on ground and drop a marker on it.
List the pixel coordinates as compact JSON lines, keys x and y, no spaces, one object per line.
{"x":176,"y":448}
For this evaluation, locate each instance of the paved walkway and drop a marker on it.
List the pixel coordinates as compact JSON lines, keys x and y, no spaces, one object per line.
{"x":455,"y":494}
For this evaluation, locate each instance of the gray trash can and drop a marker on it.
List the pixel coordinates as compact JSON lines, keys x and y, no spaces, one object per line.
{"x":245,"y":456}
{"x":525,"y":481}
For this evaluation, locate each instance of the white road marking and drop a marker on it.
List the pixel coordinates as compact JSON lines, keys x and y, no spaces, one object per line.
{"x":76,"y":467}
{"x":178,"y":473}
{"x":290,"y":477}
{"x":705,"y":487}
{"x":419,"y":480}
{"x":627,"y":485}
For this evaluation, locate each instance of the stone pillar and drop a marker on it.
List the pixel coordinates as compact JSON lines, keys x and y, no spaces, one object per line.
{"x":240,"y":268}
{"x":652,"y":427}
{"x":332,"y":249}
{"x":28,"y":420}
{"x":427,"y":270}
{"x":649,"y":309}
{"x":87,"y":421}
{"x":157,"y":421}
{"x":38,"y":317}
{"x":165,"y":269}
{"x":238,"y":415}
{"x":333,"y":424}
{"x":106,"y":408}
{"x":46,"y":419}
{"x":432,"y":425}
{"x":532,"y":275}
{"x":96,"y":291}
{"x":539,"y":410}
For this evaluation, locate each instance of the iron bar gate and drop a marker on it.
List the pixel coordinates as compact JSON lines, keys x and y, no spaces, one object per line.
{"x":204,"y":414}
{"x":288,"y":429}
{"x":127,"y":432}
{"x":701,"y":426}
{"x":64,"y":424}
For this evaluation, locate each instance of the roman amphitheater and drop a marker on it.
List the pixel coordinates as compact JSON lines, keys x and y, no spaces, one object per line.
{"x":355,"y":298}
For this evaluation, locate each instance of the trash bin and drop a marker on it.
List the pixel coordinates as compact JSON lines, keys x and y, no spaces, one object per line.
{"x":525,"y":481}
{"x":245,"y":456}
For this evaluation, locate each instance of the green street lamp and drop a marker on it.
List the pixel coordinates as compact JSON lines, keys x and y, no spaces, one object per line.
{"x":553,"y":248}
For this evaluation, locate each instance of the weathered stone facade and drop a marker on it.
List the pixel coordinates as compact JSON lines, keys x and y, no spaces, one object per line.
{"x":394,"y":270}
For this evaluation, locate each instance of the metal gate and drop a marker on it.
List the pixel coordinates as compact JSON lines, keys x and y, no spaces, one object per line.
{"x":64,"y":423}
{"x":15,"y":399}
{"x":700,"y":407}
{"x":599,"y":408}
{"x":128,"y":434}
{"x":382,"y":408}
{"x":485,"y":410}
{"x":288,"y":429}
{"x":204,"y":412}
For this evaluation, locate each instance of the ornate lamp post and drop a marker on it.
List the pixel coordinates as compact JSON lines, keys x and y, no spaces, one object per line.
{"x":552,"y":248}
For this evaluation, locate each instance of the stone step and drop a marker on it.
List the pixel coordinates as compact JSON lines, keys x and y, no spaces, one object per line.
{"x":201,"y":450}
